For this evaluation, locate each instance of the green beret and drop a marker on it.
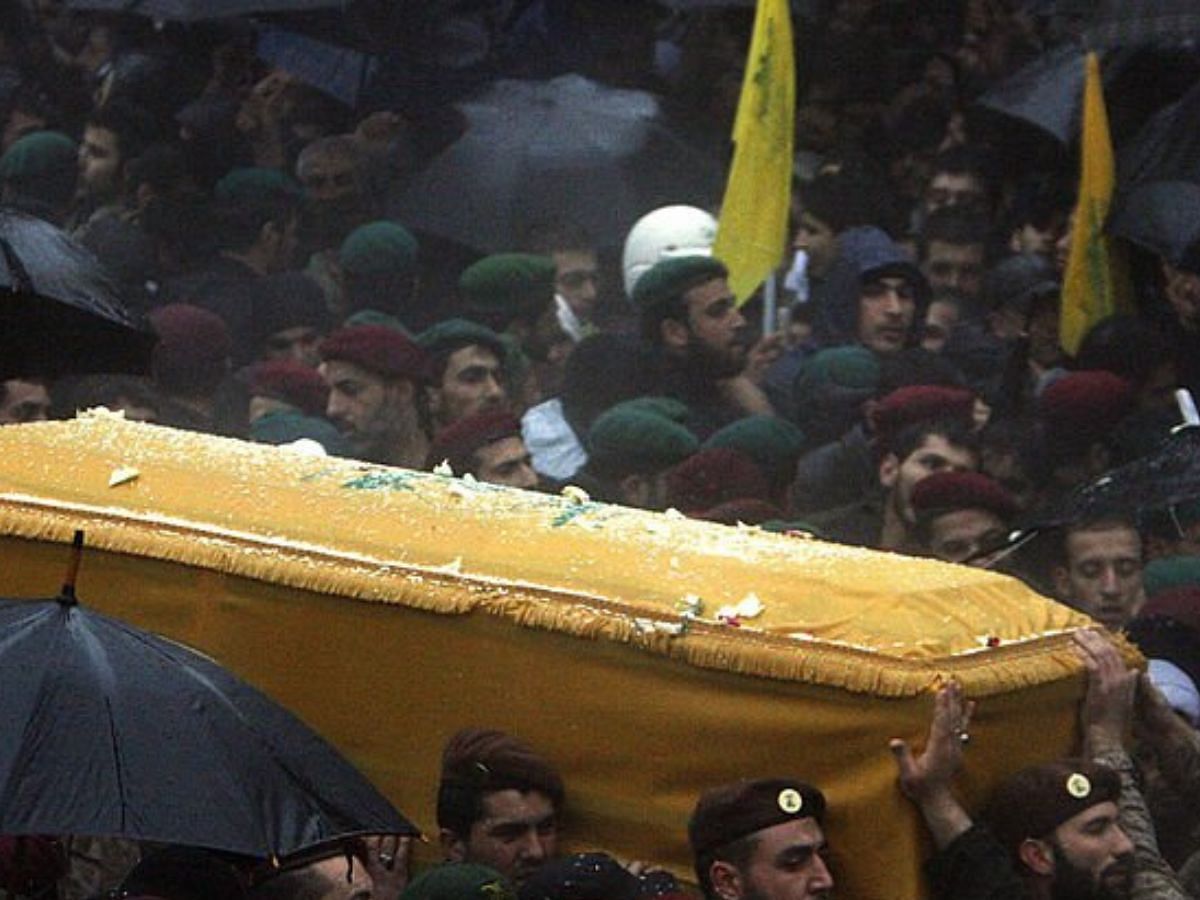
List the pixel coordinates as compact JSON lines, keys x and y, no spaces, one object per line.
{"x":256,"y":185}
{"x":773,"y":443}
{"x":459,"y":881}
{"x":40,"y":154}
{"x":638,"y":439}
{"x":667,"y":407}
{"x":453,"y":334}
{"x":378,"y":248}
{"x":1171,"y":572}
{"x":283,"y":427}
{"x":375,"y":317}
{"x":508,"y":285}
{"x":671,"y":278}
{"x":853,"y":366}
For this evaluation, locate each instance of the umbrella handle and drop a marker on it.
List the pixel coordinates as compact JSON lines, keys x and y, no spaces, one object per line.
{"x":68,"y":588}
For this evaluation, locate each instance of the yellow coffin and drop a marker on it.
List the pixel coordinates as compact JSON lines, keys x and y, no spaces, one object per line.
{"x":389,"y":608}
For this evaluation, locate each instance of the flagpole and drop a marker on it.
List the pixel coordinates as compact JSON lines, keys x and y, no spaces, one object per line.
{"x":770,"y":319}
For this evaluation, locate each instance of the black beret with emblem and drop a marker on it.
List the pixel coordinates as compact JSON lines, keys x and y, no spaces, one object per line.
{"x":733,"y":811}
{"x":1035,"y":801}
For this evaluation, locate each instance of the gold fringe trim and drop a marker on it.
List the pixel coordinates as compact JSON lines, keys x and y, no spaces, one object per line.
{"x":741,"y":651}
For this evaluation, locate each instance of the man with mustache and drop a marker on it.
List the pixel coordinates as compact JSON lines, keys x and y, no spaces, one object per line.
{"x":761,"y":840}
{"x":1071,"y":829}
{"x":699,"y":341}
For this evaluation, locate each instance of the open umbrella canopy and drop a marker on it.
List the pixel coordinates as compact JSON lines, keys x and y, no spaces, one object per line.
{"x":109,"y":730}
{"x":198,"y":10}
{"x":1121,"y":23}
{"x":567,"y":149}
{"x":59,"y":309}
{"x":1168,"y":476}
{"x":1162,"y":216}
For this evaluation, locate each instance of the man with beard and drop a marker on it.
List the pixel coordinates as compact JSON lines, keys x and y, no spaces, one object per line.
{"x":761,"y":840}
{"x":1072,"y":829}
{"x":698,"y":338}
{"x":375,"y":376}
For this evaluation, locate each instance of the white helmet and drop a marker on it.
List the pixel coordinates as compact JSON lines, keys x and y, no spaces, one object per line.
{"x":666,"y":232}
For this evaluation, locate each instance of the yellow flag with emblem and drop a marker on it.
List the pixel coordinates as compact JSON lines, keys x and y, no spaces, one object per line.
{"x":1096,"y":282}
{"x":754,"y":214}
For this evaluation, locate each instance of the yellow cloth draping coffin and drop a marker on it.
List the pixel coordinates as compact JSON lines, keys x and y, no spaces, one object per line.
{"x":388,"y":608}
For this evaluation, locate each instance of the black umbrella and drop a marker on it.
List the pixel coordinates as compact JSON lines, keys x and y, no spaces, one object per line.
{"x":108,"y":730}
{"x":1162,"y":479}
{"x":197,"y":10}
{"x":59,"y":309}
{"x":1162,"y":216}
{"x":1047,"y":93}
{"x":1129,"y":23}
{"x":567,"y":149}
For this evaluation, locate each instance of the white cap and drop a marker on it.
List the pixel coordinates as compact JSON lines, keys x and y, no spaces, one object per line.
{"x":666,"y":232}
{"x":1178,"y":689}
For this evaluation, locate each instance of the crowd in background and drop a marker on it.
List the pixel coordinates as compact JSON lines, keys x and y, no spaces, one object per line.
{"x":912,"y":394}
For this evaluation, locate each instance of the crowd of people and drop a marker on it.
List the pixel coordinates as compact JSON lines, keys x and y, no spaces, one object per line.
{"x":913,"y":396}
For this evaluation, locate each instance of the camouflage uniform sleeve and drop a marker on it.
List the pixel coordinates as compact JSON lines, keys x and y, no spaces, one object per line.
{"x":1154,"y":880}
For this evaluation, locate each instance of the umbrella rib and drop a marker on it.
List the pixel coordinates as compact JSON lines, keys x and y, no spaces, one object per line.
{"x":21,"y":280}
{"x":117,"y":768}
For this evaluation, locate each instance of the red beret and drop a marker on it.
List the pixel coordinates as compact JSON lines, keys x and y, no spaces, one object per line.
{"x":1179,"y":603}
{"x":291,"y":382}
{"x":458,"y":442}
{"x":190,"y":336}
{"x":1092,"y":400}
{"x":379,"y":349}
{"x":732,"y":811}
{"x":920,"y":403}
{"x":714,"y":476}
{"x":947,"y":491}
{"x":747,"y":510}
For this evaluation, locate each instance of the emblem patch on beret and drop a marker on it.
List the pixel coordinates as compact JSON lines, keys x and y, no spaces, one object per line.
{"x":790,"y":800}
{"x":1078,"y":786}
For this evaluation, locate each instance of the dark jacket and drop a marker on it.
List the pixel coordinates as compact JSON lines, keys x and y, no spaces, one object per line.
{"x":863,"y":253}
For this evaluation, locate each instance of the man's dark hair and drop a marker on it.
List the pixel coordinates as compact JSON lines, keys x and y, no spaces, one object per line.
{"x":675,"y":309}
{"x":478,"y":762}
{"x":239,"y":222}
{"x":962,"y":160}
{"x":1100,"y":522}
{"x":134,"y":129}
{"x":549,"y":237}
{"x":737,"y":853}
{"x":955,"y":431}
{"x":955,"y":225}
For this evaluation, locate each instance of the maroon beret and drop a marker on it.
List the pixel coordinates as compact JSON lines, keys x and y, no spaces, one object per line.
{"x":291,"y":382}
{"x":747,"y":510}
{"x":379,"y":349}
{"x":920,"y":403}
{"x":733,"y":811}
{"x":1035,"y":801}
{"x":190,"y":336}
{"x":948,"y":491}
{"x":1092,"y":400}
{"x":1179,"y":603}
{"x":457,"y":443}
{"x":713,"y":476}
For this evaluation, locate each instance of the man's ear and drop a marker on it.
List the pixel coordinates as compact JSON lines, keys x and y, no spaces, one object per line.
{"x":726,"y":880}
{"x":433,"y":400}
{"x":454,"y":848}
{"x":889,"y":471}
{"x":675,"y":334}
{"x":1038,"y":857}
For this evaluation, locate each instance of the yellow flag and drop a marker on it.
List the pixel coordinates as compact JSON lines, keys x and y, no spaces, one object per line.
{"x":1095,"y":284}
{"x":754,"y":213}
